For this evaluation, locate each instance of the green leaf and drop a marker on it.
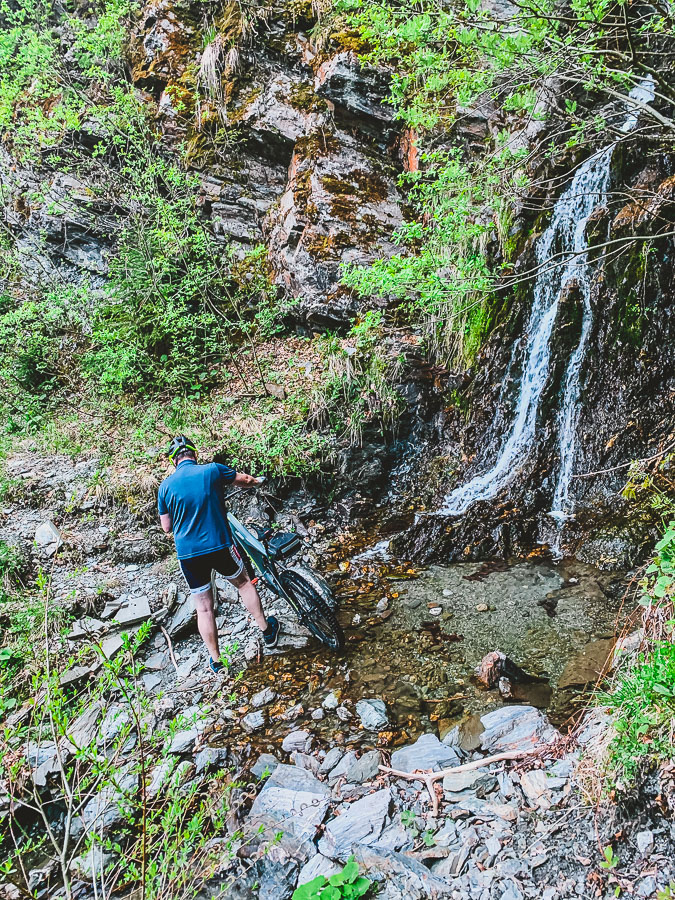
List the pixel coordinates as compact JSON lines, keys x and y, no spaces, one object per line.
{"x":330,"y":893}
{"x":310,"y":890}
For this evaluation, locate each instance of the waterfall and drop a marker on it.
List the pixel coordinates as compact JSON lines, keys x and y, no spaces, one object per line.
{"x":569,"y":411}
{"x":566,"y":238}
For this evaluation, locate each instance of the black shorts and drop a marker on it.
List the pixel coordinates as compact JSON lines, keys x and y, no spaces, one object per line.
{"x":197,"y":570}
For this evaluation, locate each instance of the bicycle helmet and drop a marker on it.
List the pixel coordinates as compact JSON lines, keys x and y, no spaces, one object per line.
{"x":179,"y":444}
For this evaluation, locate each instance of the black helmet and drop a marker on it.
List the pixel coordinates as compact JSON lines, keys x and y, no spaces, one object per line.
{"x":178,"y":445}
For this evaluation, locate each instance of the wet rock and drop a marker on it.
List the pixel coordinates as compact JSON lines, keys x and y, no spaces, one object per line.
{"x":426,"y":753}
{"x":297,"y":740}
{"x":399,"y":876}
{"x":356,"y":770}
{"x":266,"y":763}
{"x":331,"y":701}
{"x":515,"y":728}
{"x":497,"y":665}
{"x":373,"y":714}
{"x":317,"y":714}
{"x":343,"y":714}
{"x":263,"y":697}
{"x":210,"y":758}
{"x":467,"y":735}
{"x":295,"y":798}
{"x":357,"y":91}
{"x":292,"y":713}
{"x":587,"y":666}
{"x":360,"y":823}
{"x":48,"y":538}
{"x":254,"y":721}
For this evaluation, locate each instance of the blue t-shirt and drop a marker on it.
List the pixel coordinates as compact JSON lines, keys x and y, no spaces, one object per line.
{"x":193,"y":497}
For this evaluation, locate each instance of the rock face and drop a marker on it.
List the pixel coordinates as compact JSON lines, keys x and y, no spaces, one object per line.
{"x":296,"y":798}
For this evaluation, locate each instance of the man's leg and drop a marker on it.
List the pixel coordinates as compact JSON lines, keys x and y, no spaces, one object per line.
{"x":206,"y":622}
{"x":250,"y":598}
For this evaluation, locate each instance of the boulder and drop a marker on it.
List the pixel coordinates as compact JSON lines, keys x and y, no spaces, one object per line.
{"x":427,"y":753}
{"x":515,"y":728}
{"x":400,"y":876}
{"x":318,"y":865}
{"x":293,"y":799}
{"x":361,"y":823}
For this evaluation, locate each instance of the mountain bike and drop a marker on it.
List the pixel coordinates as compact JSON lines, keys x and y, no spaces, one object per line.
{"x":265,"y":555}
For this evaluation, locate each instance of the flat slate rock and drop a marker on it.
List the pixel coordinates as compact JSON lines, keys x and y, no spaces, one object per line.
{"x":294,"y":797}
{"x":361,"y":823}
{"x":401,"y":877}
{"x":426,"y":753}
{"x":356,"y":770}
{"x":515,"y":728}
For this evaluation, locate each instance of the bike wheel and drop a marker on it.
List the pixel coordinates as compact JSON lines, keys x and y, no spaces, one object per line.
{"x":312,"y":609}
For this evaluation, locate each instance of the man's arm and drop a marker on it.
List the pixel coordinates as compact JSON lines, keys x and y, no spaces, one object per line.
{"x":165,"y":522}
{"x":241,"y":479}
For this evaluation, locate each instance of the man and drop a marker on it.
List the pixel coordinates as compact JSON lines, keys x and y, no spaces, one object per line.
{"x":192,"y":504}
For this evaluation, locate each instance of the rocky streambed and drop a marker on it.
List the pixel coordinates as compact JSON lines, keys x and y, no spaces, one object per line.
{"x":303,"y":733}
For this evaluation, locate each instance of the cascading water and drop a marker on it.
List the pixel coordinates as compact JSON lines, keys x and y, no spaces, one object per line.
{"x":565,"y":238}
{"x":569,"y":412}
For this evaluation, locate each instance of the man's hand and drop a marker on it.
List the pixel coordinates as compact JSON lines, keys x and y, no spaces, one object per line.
{"x":166,"y":523}
{"x":241,"y":479}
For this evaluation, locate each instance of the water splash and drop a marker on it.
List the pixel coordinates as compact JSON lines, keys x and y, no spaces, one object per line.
{"x":561,"y":255}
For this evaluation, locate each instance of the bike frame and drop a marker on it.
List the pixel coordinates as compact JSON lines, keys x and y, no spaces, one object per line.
{"x":257,"y":552}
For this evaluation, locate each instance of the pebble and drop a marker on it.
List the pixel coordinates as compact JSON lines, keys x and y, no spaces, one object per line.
{"x":647,"y":887}
{"x":331,"y":701}
{"x":482,"y":607}
{"x":356,"y":620}
{"x":382,"y":606}
{"x":317,"y":714}
{"x":436,"y":611}
{"x":251,"y":649}
{"x":373,"y":714}
{"x":331,"y":759}
{"x":343,"y":713}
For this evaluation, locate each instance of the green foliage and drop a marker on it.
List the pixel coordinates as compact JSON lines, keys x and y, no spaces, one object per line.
{"x":358,"y":391}
{"x":344,"y":885}
{"x":643,"y":698}
{"x":610,"y":859}
{"x":174,"y":303}
{"x":659,"y":582}
{"x":11,"y":564}
{"x":447,"y":60}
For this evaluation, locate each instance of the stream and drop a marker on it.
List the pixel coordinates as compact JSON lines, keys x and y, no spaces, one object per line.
{"x":415,"y":636}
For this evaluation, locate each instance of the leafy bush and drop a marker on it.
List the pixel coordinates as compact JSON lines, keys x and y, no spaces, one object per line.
{"x":642,"y":694}
{"x":344,"y":885}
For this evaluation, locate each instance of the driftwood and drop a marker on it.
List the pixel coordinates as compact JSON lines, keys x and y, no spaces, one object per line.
{"x":430,"y":777}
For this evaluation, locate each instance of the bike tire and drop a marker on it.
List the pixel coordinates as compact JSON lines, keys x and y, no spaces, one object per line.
{"x":313,"y":610}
